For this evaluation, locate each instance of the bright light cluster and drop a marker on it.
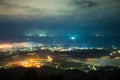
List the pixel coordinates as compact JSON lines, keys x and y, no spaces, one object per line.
{"x":31,"y":62}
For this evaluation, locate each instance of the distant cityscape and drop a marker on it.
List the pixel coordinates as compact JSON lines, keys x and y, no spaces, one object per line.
{"x":37,"y":55}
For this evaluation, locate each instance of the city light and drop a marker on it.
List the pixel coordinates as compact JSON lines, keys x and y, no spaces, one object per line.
{"x":72,"y":38}
{"x":50,"y":58}
{"x":42,"y":35}
{"x":5,"y":46}
{"x":32,"y":61}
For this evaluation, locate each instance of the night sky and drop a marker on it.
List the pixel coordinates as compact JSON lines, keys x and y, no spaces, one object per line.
{"x":62,"y":19}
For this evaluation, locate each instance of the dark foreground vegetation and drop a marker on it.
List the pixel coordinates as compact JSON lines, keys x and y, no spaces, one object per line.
{"x":49,"y":73}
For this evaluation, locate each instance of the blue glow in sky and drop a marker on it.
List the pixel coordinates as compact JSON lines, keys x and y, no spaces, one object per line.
{"x":58,"y":18}
{"x":72,"y":38}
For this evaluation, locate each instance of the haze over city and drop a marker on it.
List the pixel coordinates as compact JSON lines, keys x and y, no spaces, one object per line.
{"x":59,"y":39}
{"x":61,"y":21}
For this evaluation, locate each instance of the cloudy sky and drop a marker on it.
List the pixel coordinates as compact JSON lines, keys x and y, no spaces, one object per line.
{"x":59,"y":17}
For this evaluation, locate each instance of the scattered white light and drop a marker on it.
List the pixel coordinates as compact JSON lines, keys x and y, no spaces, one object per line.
{"x":119,"y":51}
{"x":97,"y":35}
{"x":72,"y":38}
{"x":42,"y":35}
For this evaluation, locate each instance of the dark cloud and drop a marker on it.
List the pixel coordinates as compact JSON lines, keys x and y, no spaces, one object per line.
{"x":13,"y":7}
{"x":83,"y":16}
{"x":5,"y":4}
{"x":86,"y":3}
{"x":2,"y":2}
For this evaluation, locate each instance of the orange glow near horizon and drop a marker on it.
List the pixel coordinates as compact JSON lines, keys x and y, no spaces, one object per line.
{"x":5,"y":46}
{"x":11,"y":45}
{"x":31,"y":62}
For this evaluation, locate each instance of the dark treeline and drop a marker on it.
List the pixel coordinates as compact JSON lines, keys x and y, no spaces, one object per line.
{"x":49,"y":73}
